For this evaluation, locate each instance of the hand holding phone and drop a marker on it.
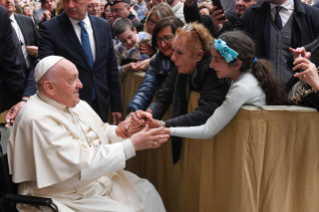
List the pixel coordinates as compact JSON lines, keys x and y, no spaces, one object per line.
{"x":219,"y":6}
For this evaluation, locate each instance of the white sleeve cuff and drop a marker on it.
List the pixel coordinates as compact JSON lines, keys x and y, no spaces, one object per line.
{"x":128,"y":149}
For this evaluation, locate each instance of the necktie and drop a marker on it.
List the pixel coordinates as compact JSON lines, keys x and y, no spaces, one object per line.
{"x":277,"y":20}
{"x":87,"y":50}
{"x":20,"y":55}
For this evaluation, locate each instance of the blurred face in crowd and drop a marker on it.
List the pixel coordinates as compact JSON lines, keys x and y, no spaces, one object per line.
{"x":152,"y":20}
{"x":49,"y":5}
{"x":204,"y":11}
{"x":120,"y":10}
{"x":184,"y":59}
{"x":20,"y":4}
{"x":102,"y":3}
{"x":94,"y":8}
{"x":66,"y":87}
{"x":149,"y":4}
{"x":75,"y":9}
{"x":107,"y":13}
{"x":128,"y":38}
{"x":27,"y":11}
{"x":241,"y":5}
{"x":8,"y":4}
{"x":164,"y":41}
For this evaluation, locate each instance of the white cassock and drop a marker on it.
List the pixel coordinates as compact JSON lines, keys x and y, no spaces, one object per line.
{"x":79,"y":164}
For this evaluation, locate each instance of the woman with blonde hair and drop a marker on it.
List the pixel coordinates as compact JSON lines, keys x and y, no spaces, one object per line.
{"x":191,"y":56}
{"x":157,"y":13}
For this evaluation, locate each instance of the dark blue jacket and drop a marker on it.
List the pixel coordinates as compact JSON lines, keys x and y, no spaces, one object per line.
{"x":12,"y":78}
{"x":157,"y":72}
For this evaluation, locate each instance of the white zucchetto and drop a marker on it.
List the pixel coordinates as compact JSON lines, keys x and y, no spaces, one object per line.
{"x":44,"y":65}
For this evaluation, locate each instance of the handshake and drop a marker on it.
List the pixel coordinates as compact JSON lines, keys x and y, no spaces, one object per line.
{"x":145,"y":131}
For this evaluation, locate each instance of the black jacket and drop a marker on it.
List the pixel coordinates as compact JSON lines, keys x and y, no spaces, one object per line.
{"x":256,"y":22}
{"x":12,"y":78}
{"x":159,"y":68}
{"x":176,"y":90}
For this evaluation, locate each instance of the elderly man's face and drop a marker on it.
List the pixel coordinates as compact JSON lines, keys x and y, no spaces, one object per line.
{"x":67,"y":84}
{"x":94,"y":8}
{"x":120,"y":10}
{"x":8,"y":4}
{"x":75,"y":9}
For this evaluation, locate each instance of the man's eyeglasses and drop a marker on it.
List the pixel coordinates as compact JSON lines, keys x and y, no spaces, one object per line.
{"x":189,"y":28}
{"x":118,"y":10}
{"x":167,"y":39}
{"x":92,"y":6}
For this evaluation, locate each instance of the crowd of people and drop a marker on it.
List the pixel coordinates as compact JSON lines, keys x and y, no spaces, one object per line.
{"x":60,"y":68}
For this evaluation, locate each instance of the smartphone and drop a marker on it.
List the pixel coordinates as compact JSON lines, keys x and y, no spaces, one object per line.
{"x":219,"y":7}
{"x":136,"y":7}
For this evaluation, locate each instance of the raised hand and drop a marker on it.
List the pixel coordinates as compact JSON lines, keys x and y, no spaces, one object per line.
{"x":309,"y":75}
{"x":215,"y":18}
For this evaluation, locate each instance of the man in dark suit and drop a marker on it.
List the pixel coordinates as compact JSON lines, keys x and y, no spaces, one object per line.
{"x":276,"y":25}
{"x":12,"y":78}
{"x":86,"y":41}
{"x":27,"y":35}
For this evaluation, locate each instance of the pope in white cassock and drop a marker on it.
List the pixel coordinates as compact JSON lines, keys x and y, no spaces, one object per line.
{"x":60,"y":148}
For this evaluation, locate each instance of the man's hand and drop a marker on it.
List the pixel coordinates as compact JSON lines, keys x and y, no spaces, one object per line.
{"x":215,"y":16}
{"x":32,"y":50}
{"x":145,"y":48}
{"x":117,"y":117}
{"x":47,"y":15}
{"x":300,"y":52}
{"x":13,"y":111}
{"x":309,"y":75}
{"x":121,"y":129}
{"x":148,"y":139}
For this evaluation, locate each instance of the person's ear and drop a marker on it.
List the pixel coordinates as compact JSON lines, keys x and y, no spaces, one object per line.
{"x":134,"y":30}
{"x":129,"y":8}
{"x":200,"y":55}
{"x":238,"y":64}
{"x":49,"y":87}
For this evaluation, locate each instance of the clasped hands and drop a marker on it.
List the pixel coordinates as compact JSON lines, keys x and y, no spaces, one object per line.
{"x":142,"y":124}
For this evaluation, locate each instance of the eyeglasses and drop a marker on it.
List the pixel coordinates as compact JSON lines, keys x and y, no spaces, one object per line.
{"x":118,"y":10}
{"x":189,"y":28}
{"x":151,"y":21}
{"x":167,"y":39}
{"x":108,"y":11}
{"x":92,"y":6}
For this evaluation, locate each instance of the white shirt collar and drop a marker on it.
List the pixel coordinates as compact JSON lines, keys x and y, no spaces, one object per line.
{"x":289,"y":5}
{"x":86,"y":21}
{"x":13,"y":18}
